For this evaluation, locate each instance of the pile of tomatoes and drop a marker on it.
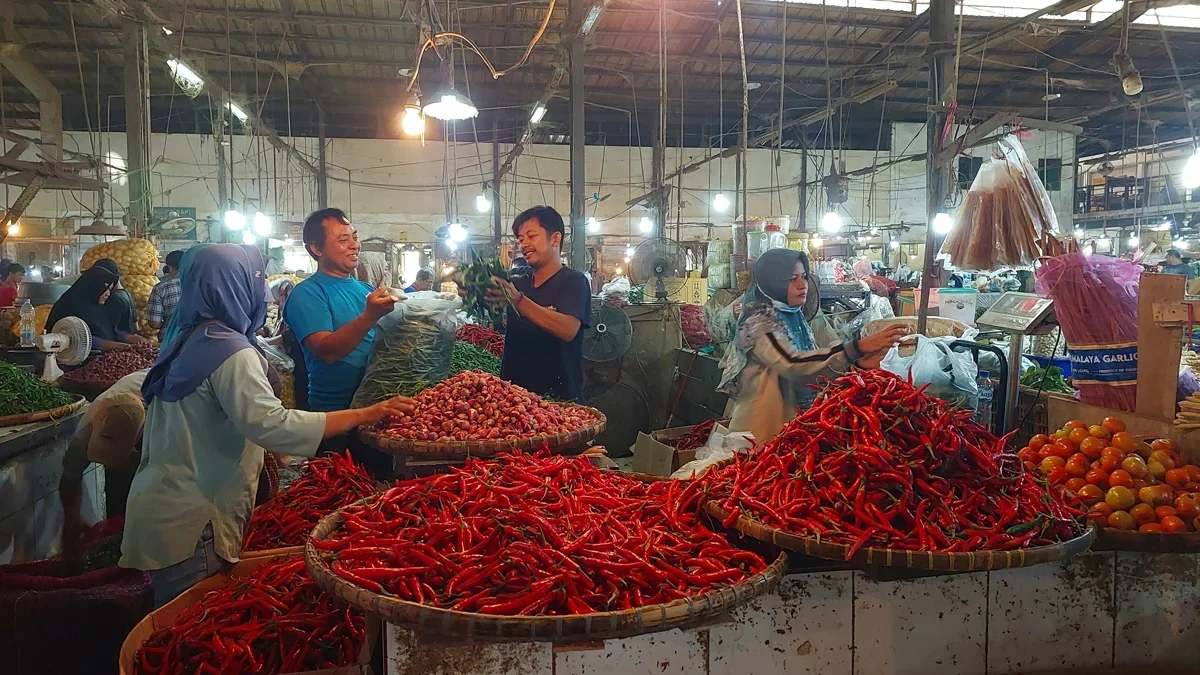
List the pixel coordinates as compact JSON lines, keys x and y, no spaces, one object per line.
{"x":1126,"y":482}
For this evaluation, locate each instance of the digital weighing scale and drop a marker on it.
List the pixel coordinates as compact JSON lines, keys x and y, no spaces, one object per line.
{"x":1018,"y":315}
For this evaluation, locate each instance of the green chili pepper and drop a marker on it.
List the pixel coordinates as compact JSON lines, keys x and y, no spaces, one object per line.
{"x":22,"y":392}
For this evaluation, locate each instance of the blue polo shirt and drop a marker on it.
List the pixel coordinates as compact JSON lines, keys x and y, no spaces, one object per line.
{"x":326,"y":303}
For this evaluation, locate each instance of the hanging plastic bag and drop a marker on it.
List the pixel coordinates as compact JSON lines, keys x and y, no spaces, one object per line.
{"x":879,"y":308}
{"x":951,"y":375}
{"x":722,"y":445}
{"x":414,"y":347}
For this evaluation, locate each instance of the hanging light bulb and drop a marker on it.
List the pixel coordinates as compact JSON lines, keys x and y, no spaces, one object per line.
{"x":942,"y":223}
{"x":1104,"y":242}
{"x":457,"y":233}
{"x":1133,"y":241}
{"x":592,"y":226}
{"x":262,"y":224}
{"x":234,"y":220}
{"x":894,"y":244}
{"x":1191,"y":172}
{"x":818,"y":242}
{"x":482,"y":203}
{"x":248,"y":238}
{"x":720,"y":202}
{"x":1180,"y":244}
{"x":831,"y":222}
{"x":645,"y":225}
{"x":1078,"y":233}
{"x":448,"y":105}
{"x":412,"y":123}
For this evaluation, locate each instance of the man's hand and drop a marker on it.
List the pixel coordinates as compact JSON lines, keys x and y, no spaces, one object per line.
{"x":134,"y":339}
{"x":392,"y":407}
{"x":379,"y":303}
{"x":75,"y":532}
{"x":496,"y":295}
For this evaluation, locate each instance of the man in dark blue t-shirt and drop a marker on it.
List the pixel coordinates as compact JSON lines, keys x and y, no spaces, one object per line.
{"x":543,"y":349}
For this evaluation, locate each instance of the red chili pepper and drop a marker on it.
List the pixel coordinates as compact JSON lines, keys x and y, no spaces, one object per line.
{"x":328,"y":484}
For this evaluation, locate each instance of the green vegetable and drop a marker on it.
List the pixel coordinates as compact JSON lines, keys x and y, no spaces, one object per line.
{"x":478,"y":277}
{"x":1054,"y":381}
{"x":469,"y":357}
{"x":22,"y":392}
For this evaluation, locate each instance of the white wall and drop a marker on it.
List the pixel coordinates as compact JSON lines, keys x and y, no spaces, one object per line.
{"x":397,"y":188}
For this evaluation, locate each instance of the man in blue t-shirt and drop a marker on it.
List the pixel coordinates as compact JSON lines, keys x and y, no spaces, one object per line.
{"x":333,"y":316}
{"x":543,"y":348}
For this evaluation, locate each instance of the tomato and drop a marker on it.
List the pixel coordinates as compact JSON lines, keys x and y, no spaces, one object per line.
{"x":1164,"y":444}
{"x":1173,"y":524}
{"x":1080,"y":459}
{"x":1090,"y":494}
{"x":1028,"y":455}
{"x":1061,"y":433}
{"x":1192,"y":471}
{"x":1050,"y":463}
{"x":1075,"y":484}
{"x":1157,"y":471}
{"x":1163,"y":511}
{"x":1075,"y":424}
{"x":1062,"y":449}
{"x":1057,"y":475}
{"x":1156,"y":495}
{"x":1138,"y":484}
{"x":1120,"y":478}
{"x":1097,"y":431}
{"x":1134,"y":466}
{"x":1110,"y":459}
{"x":1196,"y":524}
{"x":1092,"y":447}
{"x":1113,"y":424}
{"x":1098,"y":478}
{"x":1121,"y":520}
{"x":1038,"y":441}
{"x":1119,"y":497}
{"x":1187,"y":506}
{"x":1151,"y":527}
{"x":1142,"y":513}
{"x":1124,"y":442}
{"x":1077,"y":435}
{"x":1177,"y":478}
{"x":1162,"y":457}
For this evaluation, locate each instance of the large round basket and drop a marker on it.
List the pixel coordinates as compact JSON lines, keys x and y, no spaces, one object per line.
{"x":1110,"y":539}
{"x":917,"y":560}
{"x":484,"y":448}
{"x":42,"y":415}
{"x":85,"y":388}
{"x":682,"y":613}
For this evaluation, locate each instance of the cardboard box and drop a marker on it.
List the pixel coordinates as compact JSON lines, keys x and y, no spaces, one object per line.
{"x":163,"y":616}
{"x":652,"y":454}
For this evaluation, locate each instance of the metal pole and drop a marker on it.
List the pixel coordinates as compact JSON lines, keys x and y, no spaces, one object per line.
{"x":941,"y":22}
{"x":137,"y":124}
{"x":218,"y":132}
{"x":803,"y":225}
{"x":497,"y":224}
{"x":322,"y":171}
{"x":578,"y":187}
{"x":740,"y":244}
{"x":658,"y":161}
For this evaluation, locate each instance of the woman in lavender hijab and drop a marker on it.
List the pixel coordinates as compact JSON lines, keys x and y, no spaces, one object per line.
{"x":210,"y":412}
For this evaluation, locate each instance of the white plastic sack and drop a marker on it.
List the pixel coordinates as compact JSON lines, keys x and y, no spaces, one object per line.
{"x":951,"y":375}
{"x":619,"y":286}
{"x":414,"y":345}
{"x":722,"y":444}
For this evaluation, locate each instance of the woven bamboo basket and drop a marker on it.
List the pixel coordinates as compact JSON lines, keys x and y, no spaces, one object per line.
{"x":932,"y":561}
{"x":446,"y":623}
{"x":484,"y":448}
{"x":85,"y":388}
{"x":53,"y":414}
{"x":1109,"y":539}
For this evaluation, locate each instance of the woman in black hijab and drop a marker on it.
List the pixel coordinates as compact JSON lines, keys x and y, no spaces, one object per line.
{"x":120,"y":303}
{"x":85,"y":300}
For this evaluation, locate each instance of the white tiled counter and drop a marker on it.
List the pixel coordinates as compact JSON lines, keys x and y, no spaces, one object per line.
{"x":1099,"y":611}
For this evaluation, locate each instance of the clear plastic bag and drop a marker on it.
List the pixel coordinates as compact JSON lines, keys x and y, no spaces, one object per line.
{"x":879,"y":308}
{"x":414,"y":347}
{"x":951,"y":375}
{"x":722,"y":445}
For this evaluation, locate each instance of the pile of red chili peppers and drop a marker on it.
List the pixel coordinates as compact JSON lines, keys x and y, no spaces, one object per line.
{"x":328,"y":484}
{"x":697,"y":437}
{"x":275,"y":620}
{"x":876,"y":462}
{"x":534,"y":535}
{"x":481,"y":336}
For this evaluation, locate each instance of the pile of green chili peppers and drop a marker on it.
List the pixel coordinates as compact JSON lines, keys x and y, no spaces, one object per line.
{"x":22,"y":392}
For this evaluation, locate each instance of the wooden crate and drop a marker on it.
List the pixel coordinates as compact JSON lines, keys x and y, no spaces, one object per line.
{"x":1030,"y":415}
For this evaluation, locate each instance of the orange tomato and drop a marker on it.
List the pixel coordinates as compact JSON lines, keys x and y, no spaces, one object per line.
{"x":1111,"y":462}
{"x":1101,"y":509}
{"x":1156,"y":495}
{"x":1163,"y":511}
{"x":1061,"y":433}
{"x":1077,"y":435}
{"x":1075,"y":424}
{"x":1196,"y":524}
{"x":1121,"y":520}
{"x":1173,"y":524}
{"x":1075,"y":484}
{"x":1113,"y":424}
{"x":1162,"y":457}
{"x":1098,"y":478}
{"x":1092,"y":447}
{"x":1120,"y":478}
{"x":1090,"y":494}
{"x":1157,"y":471}
{"x":1028,"y":455}
{"x":1057,"y":475}
{"x":1177,"y":478}
{"x":1142,"y":513}
{"x":1134,"y":466}
{"x":1097,"y":431}
{"x":1061,"y":448}
{"x":1124,"y":442}
{"x":1151,"y":527}
{"x":1138,"y":484}
{"x":1187,"y":506}
{"x":1164,"y":444}
{"x":1120,"y":498}
{"x":1038,"y":441}
{"x":1192,"y":471}
{"x":1050,"y":463}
